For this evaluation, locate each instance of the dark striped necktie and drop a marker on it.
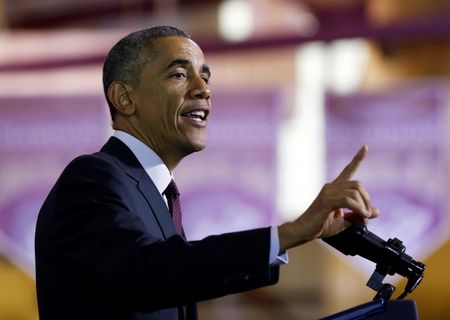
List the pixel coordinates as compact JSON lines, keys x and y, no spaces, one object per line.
{"x":173,"y":200}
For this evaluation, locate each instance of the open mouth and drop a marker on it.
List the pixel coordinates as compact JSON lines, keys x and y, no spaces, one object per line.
{"x":196,"y":115}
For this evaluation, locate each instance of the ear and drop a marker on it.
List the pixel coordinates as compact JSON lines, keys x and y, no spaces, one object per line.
{"x":118,"y":95}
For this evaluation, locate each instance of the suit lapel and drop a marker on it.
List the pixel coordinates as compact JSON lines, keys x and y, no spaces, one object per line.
{"x":130,"y":164}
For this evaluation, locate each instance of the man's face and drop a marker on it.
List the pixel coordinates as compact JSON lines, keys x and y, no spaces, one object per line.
{"x":173,"y":98}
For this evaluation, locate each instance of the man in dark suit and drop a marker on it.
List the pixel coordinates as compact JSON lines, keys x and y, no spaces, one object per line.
{"x":107,"y":246}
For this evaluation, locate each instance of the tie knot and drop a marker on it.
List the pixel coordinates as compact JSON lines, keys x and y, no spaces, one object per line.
{"x":171,"y":189}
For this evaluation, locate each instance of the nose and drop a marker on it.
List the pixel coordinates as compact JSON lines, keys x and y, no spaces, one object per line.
{"x":199,"y":89}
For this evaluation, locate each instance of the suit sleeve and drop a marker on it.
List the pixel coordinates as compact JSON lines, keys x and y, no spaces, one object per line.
{"x":98,"y":230}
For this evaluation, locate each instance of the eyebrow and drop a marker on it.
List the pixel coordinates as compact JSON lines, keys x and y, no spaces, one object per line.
{"x":184,"y":63}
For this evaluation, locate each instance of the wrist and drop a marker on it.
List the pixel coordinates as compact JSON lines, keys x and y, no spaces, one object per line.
{"x":290,"y":235}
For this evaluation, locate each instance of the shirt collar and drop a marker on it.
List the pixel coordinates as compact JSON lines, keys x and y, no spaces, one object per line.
{"x":149,"y":160}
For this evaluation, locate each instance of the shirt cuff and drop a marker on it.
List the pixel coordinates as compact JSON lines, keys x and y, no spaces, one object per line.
{"x":275,"y":258}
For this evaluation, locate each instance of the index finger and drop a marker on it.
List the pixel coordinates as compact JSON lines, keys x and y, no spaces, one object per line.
{"x":351,"y":168}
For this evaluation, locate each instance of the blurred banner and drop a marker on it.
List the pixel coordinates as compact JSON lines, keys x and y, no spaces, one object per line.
{"x":38,"y":137}
{"x":406,"y":171}
{"x":231,"y":185}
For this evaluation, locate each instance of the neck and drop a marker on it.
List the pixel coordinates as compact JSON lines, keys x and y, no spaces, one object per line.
{"x":170,"y":158}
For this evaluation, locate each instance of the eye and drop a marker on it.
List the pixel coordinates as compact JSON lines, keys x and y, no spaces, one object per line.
{"x":206,"y":79}
{"x":179,"y":75}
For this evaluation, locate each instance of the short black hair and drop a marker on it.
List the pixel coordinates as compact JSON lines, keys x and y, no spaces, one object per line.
{"x":128,"y":57}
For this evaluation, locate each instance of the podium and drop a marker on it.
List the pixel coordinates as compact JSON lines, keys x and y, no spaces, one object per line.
{"x":379,"y":310}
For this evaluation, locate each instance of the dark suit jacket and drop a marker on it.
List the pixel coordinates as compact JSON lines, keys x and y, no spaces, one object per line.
{"x":106,"y":248}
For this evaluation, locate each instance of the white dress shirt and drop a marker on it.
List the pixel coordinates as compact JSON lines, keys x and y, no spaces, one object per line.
{"x":161,"y":176}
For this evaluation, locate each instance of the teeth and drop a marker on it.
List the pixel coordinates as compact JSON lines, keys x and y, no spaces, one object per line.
{"x":197,"y":113}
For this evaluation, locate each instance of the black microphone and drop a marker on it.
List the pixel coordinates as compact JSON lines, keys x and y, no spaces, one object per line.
{"x":389,"y":256}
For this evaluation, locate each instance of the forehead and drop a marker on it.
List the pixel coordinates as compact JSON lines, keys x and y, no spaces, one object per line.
{"x":171,"y":48}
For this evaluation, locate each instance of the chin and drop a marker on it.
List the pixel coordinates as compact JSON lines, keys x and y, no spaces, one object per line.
{"x":199,"y":147}
{"x":191,"y":146}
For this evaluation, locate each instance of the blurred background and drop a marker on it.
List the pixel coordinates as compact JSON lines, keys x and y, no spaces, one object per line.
{"x":298,"y":86}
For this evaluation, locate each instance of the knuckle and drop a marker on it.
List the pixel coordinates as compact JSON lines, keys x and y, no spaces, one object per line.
{"x":348,"y":199}
{"x":355,"y":194}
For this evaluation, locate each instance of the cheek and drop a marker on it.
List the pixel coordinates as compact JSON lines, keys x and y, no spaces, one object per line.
{"x":165,"y":107}
{"x":173,"y":106}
